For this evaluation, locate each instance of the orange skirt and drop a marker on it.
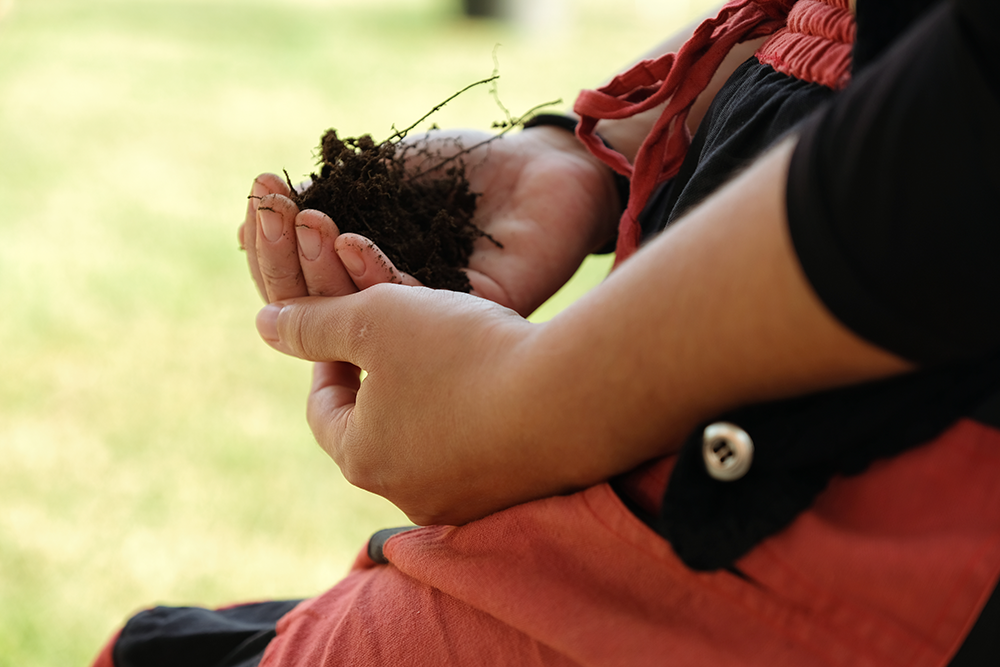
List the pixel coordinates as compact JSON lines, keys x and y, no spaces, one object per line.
{"x":890,"y":567}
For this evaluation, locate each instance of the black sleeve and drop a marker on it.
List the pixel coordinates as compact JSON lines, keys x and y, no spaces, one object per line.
{"x":894,"y":192}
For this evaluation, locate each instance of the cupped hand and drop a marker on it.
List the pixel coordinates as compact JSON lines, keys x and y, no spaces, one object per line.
{"x":543,"y":197}
{"x":435,"y":434}
{"x":435,"y":427}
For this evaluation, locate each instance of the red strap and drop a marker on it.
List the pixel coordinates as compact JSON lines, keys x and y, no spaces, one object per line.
{"x":679,"y":78}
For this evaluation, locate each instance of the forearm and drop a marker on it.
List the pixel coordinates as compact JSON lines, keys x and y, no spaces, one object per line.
{"x":713,"y":314}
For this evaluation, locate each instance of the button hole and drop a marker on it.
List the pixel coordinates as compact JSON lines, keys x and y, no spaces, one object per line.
{"x":722,"y":451}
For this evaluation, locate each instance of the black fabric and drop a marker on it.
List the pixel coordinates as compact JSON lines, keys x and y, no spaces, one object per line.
{"x":981,"y":647}
{"x":559,"y":120}
{"x":880,"y":23}
{"x":892,"y":198}
{"x":800,"y":444}
{"x":988,"y":412}
{"x":978,"y":21}
{"x":376,"y":543}
{"x":754,"y":109}
{"x":197,"y":637}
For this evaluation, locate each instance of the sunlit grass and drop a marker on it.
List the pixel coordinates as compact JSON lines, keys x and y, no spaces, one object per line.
{"x":153,"y":449}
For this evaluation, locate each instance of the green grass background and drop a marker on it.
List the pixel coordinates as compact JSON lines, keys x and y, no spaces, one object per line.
{"x":152,"y":449}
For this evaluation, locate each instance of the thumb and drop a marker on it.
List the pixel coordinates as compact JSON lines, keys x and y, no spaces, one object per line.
{"x":326,"y":328}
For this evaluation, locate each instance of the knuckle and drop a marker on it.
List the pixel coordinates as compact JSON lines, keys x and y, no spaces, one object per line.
{"x":360,"y":476}
{"x":278,"y":273}
{"x":358,"y":327}
{"x":361,"y":471}
{"x":282,"y":269}
{"x":294,"y":332}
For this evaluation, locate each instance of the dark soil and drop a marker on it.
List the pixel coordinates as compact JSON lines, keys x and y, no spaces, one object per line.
{"x":422,"y":222}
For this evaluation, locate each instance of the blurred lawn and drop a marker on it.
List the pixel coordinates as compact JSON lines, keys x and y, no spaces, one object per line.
{"x":153,"y":450}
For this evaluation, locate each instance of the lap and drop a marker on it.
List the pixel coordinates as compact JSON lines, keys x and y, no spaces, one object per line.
{"x":579,"y":579}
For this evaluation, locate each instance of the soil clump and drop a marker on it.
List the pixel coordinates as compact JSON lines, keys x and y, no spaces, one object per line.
{"x":421,"y":221}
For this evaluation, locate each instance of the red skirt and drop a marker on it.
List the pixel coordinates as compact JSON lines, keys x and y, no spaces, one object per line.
{"x":890,"y":567}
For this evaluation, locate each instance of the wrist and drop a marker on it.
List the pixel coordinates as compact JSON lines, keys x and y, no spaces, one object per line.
{"x":616,"y":187}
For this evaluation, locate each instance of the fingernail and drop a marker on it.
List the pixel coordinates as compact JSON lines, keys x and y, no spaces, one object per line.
{"x":267,"y":323}
{"x":352,"y":260}
{"x":271,"y":224}
{"x":310,"y":241}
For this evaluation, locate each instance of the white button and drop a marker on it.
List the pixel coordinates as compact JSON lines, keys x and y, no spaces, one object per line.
{"x":727,"y":450}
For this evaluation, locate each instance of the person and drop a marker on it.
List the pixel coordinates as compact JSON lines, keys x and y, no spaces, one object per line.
{"x":769,"y":437}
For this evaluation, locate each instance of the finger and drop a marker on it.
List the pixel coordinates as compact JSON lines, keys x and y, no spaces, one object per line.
{"x":331,"y":402}
{"x":277,"y":250}
{"x":334,"y":388}
{"x":330,"y":413}
{"x":367,"y":265}
{"x":337,"y":374}
{"x":264,"y":184}
{"x":322,"y":269}
{"x":486,"y":288}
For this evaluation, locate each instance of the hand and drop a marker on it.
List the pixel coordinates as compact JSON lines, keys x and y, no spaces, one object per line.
{"x":547,"y":200}
{"x":436,"y":434}
{"x":468,"y":408}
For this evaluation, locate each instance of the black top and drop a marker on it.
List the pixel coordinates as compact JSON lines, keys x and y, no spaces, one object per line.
{"x":892,"y":192}
{"x":888,"y":197}
{"x":880,"y":23}
{"x":889,"y":204}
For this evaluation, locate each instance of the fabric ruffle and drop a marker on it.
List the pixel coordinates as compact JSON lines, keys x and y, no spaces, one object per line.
{"x":815,"y":45}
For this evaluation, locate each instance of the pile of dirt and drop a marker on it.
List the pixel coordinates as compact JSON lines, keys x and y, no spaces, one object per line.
{"x":421,"y":221}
